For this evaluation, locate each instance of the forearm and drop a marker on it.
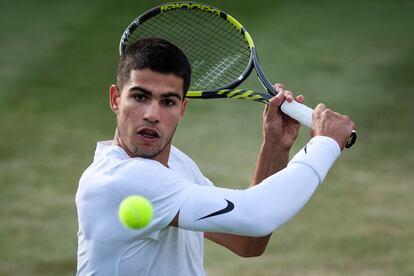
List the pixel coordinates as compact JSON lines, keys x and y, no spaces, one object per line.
{"x":259,"y":210}
{"x":243,"y":246}
{"x":270,"y":160}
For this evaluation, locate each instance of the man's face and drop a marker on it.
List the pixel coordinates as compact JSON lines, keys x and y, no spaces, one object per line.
{"x":148,"y":110}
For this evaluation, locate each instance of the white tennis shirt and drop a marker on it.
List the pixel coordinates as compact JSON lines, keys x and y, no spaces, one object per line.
{"x":105,"y":246}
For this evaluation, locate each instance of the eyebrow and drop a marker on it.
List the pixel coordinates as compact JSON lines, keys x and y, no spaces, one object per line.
{"x":149,"y":93}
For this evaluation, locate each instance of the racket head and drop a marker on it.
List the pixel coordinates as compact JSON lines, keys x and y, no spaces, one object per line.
{"x":219,"y":48}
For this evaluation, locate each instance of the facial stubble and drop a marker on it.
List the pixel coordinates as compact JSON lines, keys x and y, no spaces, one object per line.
{"x":136,"y":151}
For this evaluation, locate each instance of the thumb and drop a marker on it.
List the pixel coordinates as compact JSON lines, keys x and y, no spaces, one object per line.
{"x":276,"y":101}
{"x":272,"y":108}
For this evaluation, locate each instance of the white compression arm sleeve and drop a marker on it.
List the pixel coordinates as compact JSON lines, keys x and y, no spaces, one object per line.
{"x":259,"y":210}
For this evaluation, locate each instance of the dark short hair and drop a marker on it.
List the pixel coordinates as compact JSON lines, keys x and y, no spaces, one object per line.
{"x":157,"y":54}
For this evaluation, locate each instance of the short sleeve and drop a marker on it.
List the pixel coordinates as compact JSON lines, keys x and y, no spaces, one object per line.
{"x":187,"y":168}
{"x":165,"y":189}
{"x":98,"y":207}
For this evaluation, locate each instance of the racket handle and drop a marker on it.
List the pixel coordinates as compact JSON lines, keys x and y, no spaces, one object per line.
{"x":298,"y":111}
{"x":303,"y":114}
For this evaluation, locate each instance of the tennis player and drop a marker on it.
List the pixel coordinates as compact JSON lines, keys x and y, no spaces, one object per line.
{"x":149,"y":102}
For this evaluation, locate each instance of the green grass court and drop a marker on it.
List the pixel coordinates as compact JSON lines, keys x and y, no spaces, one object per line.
{"x":58,"y":58}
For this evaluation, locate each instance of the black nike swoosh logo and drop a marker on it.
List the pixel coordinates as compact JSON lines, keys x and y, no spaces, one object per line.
{"x":228,"y":208}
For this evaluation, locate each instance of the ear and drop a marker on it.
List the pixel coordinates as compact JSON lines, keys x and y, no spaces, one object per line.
{"x":114,"y":97}
{"x":183,"y":107}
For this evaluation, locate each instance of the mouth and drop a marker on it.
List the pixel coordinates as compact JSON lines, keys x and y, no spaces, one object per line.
{"x":148,"y":134}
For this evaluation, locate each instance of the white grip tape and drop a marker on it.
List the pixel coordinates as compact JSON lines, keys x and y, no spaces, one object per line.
{"x":298,"y":111}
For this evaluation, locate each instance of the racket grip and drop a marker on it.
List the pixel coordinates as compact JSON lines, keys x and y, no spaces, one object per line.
{"x":303,"y":114}
{"x":298,"y":111}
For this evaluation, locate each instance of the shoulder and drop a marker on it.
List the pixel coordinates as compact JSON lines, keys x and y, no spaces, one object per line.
{"x":143,"y":173}
{"x":141,"y":166}
{"x":185,"y":166}
{"x":120,"y":178}
{"x":178,"y":155}
{"x":180,"y":160}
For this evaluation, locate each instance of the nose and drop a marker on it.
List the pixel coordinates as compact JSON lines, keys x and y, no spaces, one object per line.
{"x":152,"y":113}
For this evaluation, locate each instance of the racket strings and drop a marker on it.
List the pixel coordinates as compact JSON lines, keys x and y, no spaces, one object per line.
{"x":194,"y":38}
{"x":217,"y":51}
{"x":206,"y":25}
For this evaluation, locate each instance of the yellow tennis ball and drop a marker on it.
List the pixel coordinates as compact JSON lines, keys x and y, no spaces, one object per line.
{"x":135,"y":212}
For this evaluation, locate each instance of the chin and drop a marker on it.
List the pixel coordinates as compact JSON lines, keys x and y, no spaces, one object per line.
{"x":149,"y":154}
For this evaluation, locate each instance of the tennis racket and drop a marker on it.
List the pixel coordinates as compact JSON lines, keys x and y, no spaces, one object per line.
{"x":221,"y":52}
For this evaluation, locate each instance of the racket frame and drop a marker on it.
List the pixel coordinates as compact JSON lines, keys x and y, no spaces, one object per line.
{"x":296,"y":110}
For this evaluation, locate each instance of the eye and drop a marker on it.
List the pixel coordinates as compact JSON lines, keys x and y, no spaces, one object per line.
{"x":168,"y":102}
{"x":140,"y":97}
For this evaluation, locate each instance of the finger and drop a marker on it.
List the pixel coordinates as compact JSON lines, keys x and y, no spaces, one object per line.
{"x":319,"y":108}
{"x":300,"y":99}
{"x":279,"y":87}
{"x":288,"y":96}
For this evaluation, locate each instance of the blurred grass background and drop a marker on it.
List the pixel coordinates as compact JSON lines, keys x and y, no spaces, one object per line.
{"x":58,"y":58}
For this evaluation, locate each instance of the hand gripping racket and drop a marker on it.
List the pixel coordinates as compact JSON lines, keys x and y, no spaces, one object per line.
{"x":221,"y":52}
